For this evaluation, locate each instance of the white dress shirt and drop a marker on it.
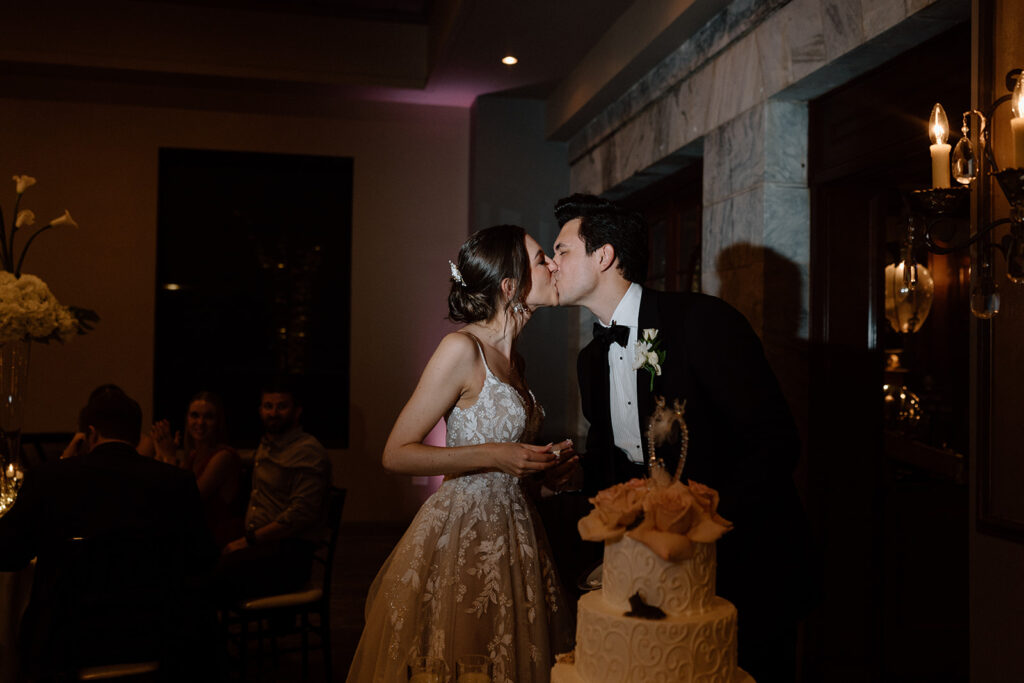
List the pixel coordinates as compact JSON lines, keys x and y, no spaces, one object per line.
{"x":622,"y":378}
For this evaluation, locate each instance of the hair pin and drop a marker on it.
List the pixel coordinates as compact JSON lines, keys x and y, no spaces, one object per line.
{"x":456,"y":274}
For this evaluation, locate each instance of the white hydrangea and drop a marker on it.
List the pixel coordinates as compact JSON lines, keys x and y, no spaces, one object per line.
{"x":29,"y":309}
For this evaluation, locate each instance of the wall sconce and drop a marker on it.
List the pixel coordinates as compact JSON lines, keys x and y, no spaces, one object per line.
{"x":939,"y":202}
{"x":909,"y":287}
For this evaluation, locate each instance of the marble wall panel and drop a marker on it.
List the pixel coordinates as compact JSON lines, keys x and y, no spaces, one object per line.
{"x":734,"y":156}
{"x":880,"y":15}
{"x":842,"y":26}
{"x":738,"y":83}
{"x":774,"y":55}
{"x":804,"y":35}
{"x":748,"y":53}
{"x":689,"y":59}
{"x":736,"y":220}
{"x":786,"y":139}
{"x":585,"y":174}
{"x":917,"y":5}
{"x":787,"y":218}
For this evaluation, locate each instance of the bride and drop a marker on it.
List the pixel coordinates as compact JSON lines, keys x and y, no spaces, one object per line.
{"x":472,"y":574}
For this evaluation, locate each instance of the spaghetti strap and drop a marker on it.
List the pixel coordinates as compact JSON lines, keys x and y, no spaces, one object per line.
{"x":480,"y":348}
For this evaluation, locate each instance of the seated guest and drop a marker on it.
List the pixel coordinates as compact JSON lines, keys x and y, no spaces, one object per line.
{"x":122,"y":547}
{"x":216,"y":465}
{"x":287,"y":508}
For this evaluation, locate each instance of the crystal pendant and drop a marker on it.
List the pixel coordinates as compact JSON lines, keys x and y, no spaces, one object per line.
{"x":1015,"y":259}
{"x":908,"y":296}
{"x":985,"y":299}
{"x":965,"y":164}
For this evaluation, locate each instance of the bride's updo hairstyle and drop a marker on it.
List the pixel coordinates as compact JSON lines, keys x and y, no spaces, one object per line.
{"x":485,"y":259}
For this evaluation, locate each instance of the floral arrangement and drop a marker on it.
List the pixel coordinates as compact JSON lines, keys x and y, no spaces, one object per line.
{"x":664,"y":514}
{"x":648,"y":354}
{"x":28,"y":310}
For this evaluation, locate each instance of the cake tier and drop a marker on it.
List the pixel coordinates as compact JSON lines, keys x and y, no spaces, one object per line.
{"x":614,"y":648}
{"x":676,"y":587}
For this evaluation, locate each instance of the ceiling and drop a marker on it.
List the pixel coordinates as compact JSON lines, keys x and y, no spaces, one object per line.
{"x":438,"y":52}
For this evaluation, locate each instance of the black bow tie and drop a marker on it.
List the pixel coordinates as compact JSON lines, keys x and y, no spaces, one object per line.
{"x":606,"y":335}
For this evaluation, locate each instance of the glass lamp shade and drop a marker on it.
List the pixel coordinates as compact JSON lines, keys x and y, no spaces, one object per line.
{"x":907,"y":302}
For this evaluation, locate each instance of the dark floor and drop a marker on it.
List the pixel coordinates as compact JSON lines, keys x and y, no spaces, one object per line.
{"x":362,"y":548}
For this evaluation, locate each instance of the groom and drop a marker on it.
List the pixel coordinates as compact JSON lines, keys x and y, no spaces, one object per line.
{"x":742,"y":438}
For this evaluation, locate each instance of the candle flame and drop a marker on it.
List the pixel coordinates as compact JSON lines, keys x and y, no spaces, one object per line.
{"x":938,"y":125}
{"x":1017,"y":99}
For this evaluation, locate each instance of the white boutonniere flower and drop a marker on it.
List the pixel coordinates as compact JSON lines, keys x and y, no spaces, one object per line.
{"x":648,"y":354}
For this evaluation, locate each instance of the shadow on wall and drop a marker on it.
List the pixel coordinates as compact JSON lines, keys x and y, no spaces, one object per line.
{"x":767,"y":288}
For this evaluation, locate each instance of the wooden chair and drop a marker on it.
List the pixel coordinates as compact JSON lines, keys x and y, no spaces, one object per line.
{"x":119,"y":600}
{"x":275,"y":616}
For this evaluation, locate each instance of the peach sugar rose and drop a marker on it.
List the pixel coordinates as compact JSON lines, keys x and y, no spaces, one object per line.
{"x":674,"y":516}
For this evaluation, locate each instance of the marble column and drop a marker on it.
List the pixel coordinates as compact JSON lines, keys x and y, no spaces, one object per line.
{"x":756,"y":232}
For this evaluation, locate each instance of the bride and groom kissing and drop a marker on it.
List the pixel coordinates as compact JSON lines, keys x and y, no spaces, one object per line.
{"x":473,"y":575}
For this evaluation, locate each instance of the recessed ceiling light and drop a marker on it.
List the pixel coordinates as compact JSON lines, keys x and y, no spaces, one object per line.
{"x":509,"y":60}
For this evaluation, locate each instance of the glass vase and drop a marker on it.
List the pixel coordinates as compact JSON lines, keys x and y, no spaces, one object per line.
{"x":14,"y":359}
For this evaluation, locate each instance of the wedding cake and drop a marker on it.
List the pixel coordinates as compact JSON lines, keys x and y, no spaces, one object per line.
{"x":656,"y":617}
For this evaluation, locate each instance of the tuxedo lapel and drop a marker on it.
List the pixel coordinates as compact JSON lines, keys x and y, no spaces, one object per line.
{"x":648,"y":318}
{"x":599,"y":376}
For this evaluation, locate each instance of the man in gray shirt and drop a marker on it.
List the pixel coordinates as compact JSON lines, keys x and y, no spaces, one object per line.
{"x":286,"y":514}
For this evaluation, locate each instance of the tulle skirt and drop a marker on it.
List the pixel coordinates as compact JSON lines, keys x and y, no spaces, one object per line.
{"x":471,"y":575}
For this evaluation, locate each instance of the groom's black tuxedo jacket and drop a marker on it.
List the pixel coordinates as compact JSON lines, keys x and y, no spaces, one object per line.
{"x":743,"y":441}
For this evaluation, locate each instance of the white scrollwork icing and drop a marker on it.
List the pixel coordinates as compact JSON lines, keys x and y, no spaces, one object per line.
{"x":686,"y":587}
{"x":613,"y":648}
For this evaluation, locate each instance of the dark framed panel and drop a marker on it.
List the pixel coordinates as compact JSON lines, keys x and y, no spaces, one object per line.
{"x":673,"y":210}
{"x":1000,"y":361}
{"x":253,"y":281}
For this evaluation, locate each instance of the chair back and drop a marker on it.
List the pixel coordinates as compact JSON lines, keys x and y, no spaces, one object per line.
{"x":325,"y":554}
{"x":116,"y":597}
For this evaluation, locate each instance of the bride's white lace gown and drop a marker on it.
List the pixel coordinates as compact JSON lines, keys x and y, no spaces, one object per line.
{"x":472,"y":574}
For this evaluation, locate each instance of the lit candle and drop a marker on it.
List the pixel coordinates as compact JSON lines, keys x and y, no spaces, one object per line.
{"x":1017,"y":123}
{"x":938,"y":131}
{"x":10,"y":471}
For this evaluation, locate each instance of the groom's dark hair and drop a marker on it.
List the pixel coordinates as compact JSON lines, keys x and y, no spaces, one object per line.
{"x":605,"y":222}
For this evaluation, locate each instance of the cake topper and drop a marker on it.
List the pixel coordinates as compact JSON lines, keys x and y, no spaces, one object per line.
{"x":660,"y":429}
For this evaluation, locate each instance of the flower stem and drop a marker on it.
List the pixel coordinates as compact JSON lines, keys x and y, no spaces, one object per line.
{"x":4,"y":261}
{"x":9,"y":246}
{"x":24,"y":250}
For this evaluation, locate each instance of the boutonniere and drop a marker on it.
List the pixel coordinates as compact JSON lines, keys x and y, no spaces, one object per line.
{"x":648,"y":354}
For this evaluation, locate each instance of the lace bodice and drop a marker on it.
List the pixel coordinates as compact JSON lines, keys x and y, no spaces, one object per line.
{"x":498,"y":416}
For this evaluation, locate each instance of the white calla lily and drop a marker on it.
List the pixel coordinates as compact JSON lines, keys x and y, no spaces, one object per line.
{"x":64,"y":220}
{"x":25,"y":219}
{"x":23,"y":182}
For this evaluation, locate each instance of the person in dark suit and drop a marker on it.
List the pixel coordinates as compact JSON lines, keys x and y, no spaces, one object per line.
{"x":742,"y":437}
{"x":121,"y":546}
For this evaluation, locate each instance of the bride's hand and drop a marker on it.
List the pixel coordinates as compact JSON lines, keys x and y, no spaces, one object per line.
{"x":522,"y":459}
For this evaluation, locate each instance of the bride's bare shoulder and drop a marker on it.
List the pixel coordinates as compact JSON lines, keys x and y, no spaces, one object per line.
{"x":457,"y":348}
